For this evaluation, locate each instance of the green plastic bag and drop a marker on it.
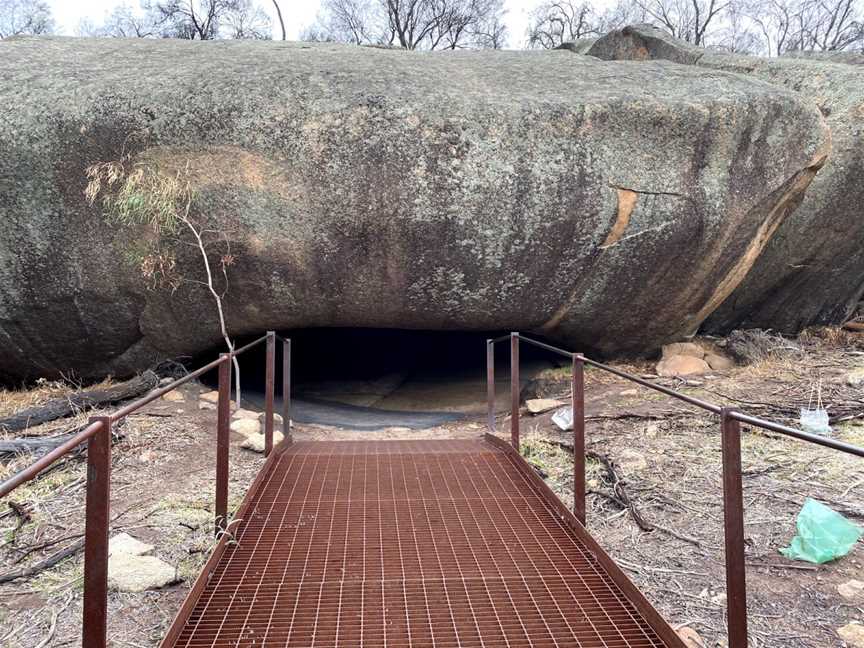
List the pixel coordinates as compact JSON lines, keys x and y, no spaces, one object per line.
{"x":823,"y":534}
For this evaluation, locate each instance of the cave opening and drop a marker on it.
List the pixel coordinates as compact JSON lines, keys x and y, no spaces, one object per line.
{"x":367,"y":378}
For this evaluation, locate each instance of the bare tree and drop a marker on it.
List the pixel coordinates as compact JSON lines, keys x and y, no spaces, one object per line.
{"x":247,"y":20}
{"x":25,"y":17}
{"x":689,"y":20}
{"x":822,"y":25}
{"x":558,"y":21}
{"x":120,"y":22}
{"x":737,"y":33}
{"x":828,"y":25}
{"x":138,"y":192}
{"x":348,"y":21}
{"x":208,"y":19}
{"x":412,"y":24}
{"x":279,"y":17}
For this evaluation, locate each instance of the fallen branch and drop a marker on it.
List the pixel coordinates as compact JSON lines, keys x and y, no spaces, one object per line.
{"x":44,"y":545}
{"x":50,"y":561}
{"x":619,"y":492}
{"x":621,"y":498}
{"x":78,"y":402}
{"x":35,"y":444}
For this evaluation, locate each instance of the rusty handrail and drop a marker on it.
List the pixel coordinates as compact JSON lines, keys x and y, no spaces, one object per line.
{"x":97,"y":435}
{"x":34,"y":469}
{"x":785,"y":430}
{"x":730,"y":429}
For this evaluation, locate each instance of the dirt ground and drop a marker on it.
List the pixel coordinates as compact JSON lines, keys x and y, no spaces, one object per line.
{"x":666,"y":454}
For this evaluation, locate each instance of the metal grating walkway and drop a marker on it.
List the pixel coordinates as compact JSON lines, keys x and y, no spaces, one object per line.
{"x":410,"y":543}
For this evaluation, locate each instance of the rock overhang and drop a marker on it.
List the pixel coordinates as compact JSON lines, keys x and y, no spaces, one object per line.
{"x":601,"y":203}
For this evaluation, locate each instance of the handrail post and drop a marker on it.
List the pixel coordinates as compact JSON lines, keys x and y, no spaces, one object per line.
{"x":577,"y":404}
{"x":514,"y":390}
{"x":733,"y":526}
{"x":95,"y":626}
{"x":223,"y":421}
{"x":490,"y":386}
{"x":286,"y":389}
{"x":269,"y":389}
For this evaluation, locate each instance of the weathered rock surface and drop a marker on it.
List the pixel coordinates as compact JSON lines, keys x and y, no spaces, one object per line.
{"x":852,"y":634}
{"x":126,"y":544}
{"x":852,"y":590}
{"x":682,"y":365}
{"x":246,"y":426}
{"x":579,"y":46}
{"x":255,"y":442}
{"x":533,"y":191}
{"x":855,"y":378}
{"x":132,"y":573}
{"x":849,"y":58}
{"x":684,"y":349}
{"x":812,"y":270}
{"x":244,"y":414}
{"x":719,"y":362}
{"x":540,"y":405}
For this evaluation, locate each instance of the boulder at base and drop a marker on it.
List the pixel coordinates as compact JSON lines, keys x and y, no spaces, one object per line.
{"x":611,"y":206}
{"x":132,"y":573}
{"x":682,"y":365}
{"x":812,"y":270}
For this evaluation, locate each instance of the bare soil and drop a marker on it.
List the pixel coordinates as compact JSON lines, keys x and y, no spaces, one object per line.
{"x":667,"y":453}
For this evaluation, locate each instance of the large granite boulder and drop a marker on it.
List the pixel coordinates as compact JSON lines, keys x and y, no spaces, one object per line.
{"x":849,"y":58}
{"x":609,"y":205}
{"x":812,"y":271}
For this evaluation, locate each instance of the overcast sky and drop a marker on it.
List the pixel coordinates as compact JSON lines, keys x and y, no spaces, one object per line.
{"x":297,"y":13}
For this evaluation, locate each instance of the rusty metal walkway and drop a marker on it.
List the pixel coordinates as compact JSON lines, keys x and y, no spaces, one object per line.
{"x":410,"y":543}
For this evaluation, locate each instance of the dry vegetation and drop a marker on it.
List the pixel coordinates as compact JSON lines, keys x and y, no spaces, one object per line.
{"x":162,"y":493}
{"x":666,"y":455}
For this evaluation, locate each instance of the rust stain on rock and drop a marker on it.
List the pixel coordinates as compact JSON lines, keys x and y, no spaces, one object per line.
{"x":626,"y":204}
{"x":786,"y":200}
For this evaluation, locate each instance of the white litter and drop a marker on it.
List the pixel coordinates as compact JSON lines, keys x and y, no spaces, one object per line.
{"x":563,"y":418}
{"x":815,"y":421}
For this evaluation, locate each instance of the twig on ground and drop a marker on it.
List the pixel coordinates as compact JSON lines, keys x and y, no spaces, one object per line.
{"x":55,"y":614}
{"x":50,"y":561}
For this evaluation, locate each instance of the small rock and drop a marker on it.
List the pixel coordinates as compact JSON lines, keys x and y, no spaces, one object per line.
{"x":174,"y":396}
{"x":691,"y":638}
{"x":277,"y":418}
{"x":629,"y":392}
{"x":851,"y":590}
{"x":855,"y":378}
{"x":631,"y":461}
{"x":690,"y":349}
{"x":719,"y":362}
{"x":124,"y":543}
{"x":245,"y":414}
{"x":719,"y":599}
{"x":210,"y":397}
{"x":540,"y":405}
{"x":129,"y":573}
{"x":255,"y":442}
{"x":206,"y":405}
{"x":852,"y":634}
{"x":681,"y":365}
{"x":165,"y":381}
{"x":246,"y":426}
{"x":651,"y":430}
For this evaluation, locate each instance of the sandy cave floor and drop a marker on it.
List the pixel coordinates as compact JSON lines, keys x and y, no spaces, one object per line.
{"x":667,"y":455}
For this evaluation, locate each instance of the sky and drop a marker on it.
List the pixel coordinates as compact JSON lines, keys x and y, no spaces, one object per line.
{"x":298,"y":14}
